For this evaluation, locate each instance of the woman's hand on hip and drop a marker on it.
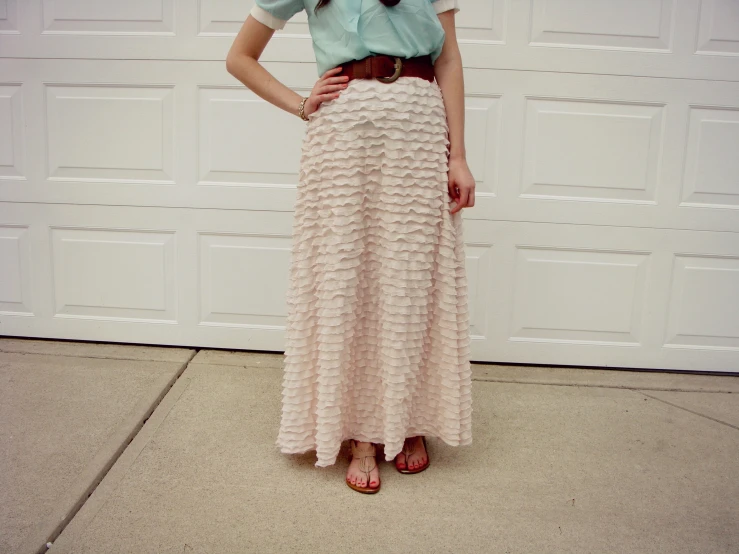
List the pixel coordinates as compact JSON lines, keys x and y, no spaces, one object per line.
{"x":326,"y":88}
{"x":461,"y":184}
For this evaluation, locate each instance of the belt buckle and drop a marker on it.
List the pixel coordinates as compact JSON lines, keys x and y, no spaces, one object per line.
{"x":398,"y":67}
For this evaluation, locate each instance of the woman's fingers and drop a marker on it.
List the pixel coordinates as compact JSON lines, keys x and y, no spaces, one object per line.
{"x":332,"y":71}
{"x":326,"y":97}
{"x":453,"y":192}
{"x":330,"y":88}
{"x":326,"y":87}
{"x":462,"y":200}
{"x":464,"y":193}
{"x":335,"y":80}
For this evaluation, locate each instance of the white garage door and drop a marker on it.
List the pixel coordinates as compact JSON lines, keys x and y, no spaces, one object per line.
{"x":146,"y":196}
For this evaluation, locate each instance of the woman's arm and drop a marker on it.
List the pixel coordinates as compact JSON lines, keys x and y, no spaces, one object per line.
{"x":242,"y":62}
{"x":448,"y":69}
{"x":449,"y":75}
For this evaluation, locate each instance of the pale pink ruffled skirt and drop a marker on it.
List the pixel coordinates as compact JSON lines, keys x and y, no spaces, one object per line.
{"x":377,"y":340}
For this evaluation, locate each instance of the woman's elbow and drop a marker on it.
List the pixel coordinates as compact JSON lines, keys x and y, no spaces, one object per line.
{"x":239,"y":64}
{"x":231,"y":61}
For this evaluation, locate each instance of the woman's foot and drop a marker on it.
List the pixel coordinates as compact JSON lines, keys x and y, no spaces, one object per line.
{"x":363,"y":470}
{"x":417,"y":457}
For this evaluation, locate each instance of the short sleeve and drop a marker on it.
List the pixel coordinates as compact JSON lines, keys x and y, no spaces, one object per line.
{"x":275,"y":13}
{"x":445,"y":5}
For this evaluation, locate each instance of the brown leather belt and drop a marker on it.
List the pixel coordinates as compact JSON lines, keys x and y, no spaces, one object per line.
{"x":388,"y":68}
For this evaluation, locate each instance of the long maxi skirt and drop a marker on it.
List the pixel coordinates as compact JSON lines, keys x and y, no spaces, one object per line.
{"x":377,"y":336}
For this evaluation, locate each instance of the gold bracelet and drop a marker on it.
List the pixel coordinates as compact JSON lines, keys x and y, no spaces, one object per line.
{"x":301,"y":110}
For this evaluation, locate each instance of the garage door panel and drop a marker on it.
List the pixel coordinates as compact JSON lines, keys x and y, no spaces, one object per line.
{"x":114,"y":274}
{"x":481,"y":284}
{"x":16,"y":294}
{"x":711,"y":175}
{"x":110,"y":133}
{"x":718,"y":32}
{"x":218,"y":17}
{"x":483,"y":22}
{"x":225,"y":17}
{"x":243,"y":279}
{"x":642,"y":25}
{"x":483,"y":118}
{"x":8,"y":16}
{"x":628,"y":297}
{"x":141,"y":17}
{"x":587,"y":149}
{"x":11,"y":132}
{"x":234,"y":146}
{"x":578,"y":295}
{"x":704,"y":296}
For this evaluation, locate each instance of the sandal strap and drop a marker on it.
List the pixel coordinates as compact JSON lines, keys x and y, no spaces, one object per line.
{"x":367,"y":464}
{"x":363,"y":451}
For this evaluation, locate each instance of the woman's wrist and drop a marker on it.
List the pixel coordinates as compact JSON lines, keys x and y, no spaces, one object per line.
{"x":457,"y":156}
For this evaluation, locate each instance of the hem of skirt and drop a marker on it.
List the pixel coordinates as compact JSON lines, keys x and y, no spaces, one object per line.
{"x":389,"y":456}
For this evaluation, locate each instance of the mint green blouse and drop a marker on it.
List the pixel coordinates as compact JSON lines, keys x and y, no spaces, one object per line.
{"x":353,"y":29}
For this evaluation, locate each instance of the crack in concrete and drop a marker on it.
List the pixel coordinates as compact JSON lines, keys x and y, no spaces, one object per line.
{"x":90,"y":356}
{"x":58,"y":523}
{"x":689,"y":410}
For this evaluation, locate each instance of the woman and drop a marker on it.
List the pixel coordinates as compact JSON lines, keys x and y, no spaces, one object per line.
{"x":377,"y":337}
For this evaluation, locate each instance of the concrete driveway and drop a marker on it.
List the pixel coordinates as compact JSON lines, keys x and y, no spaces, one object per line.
{"x":118,"y":448}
